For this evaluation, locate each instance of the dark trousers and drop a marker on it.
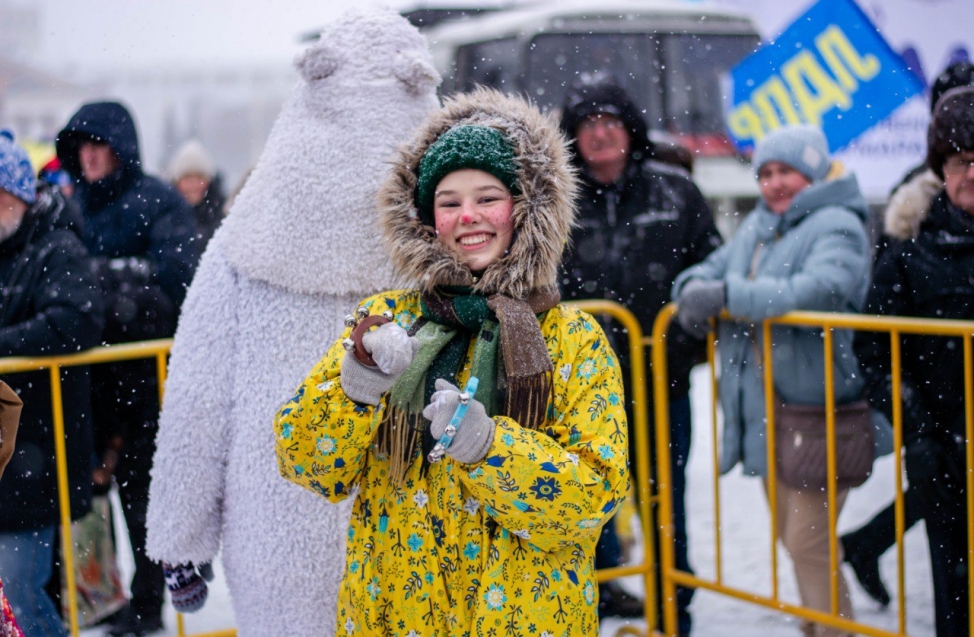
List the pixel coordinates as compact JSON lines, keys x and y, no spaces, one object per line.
{"x":126,"y":405}
{"x":878,"y":535}
{"x":608,"y":552}
{"x":935,"y":471}
{"x":132,"y":477}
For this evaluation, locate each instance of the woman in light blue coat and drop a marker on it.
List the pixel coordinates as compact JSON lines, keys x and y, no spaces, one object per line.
{"x":804,"y":247}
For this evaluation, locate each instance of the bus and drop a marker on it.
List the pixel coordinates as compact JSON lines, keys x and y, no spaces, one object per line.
{"x":672,"y":57}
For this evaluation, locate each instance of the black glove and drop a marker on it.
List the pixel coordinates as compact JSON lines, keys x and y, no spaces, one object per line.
{"x":699,"y":301}
{"x":136,"y":307}
{"x":122,"y":272}
{"x":187,"y":585}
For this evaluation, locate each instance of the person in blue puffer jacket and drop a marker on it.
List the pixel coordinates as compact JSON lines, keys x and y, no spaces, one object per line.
{"x":141,"y":234}
{"x":804,"y":247}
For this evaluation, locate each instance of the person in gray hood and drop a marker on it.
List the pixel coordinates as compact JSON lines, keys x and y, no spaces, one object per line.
{"x":804,"y":247}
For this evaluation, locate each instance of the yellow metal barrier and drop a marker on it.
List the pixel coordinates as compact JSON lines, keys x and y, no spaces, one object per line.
{"x":639,"y":428}
{"x":896,"y":327}
{"x":160,"y":350}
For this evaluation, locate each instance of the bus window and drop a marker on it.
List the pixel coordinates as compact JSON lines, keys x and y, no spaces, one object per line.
{"x":494,"y":63}
{"x":555,"y":59}
{"x":694,"y":66}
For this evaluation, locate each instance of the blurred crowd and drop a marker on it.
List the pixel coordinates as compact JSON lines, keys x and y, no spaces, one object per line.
{"x":93,"y":251}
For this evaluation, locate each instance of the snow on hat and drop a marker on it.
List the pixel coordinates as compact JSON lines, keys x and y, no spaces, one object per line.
{"x":191,"y":159}
{"x":951,"y":128}
{"x":954,"y":76}
{"x":480,"y":147}
{"x":16,"y":173}
{"x":801,"y":146}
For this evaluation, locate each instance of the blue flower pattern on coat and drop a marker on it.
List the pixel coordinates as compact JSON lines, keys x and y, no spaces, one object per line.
{"x":457,"y":548}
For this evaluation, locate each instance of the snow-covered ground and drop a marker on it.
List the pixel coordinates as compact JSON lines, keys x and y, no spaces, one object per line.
{"x":745,"y":554}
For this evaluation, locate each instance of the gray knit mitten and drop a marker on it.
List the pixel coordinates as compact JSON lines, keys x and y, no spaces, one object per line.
{"x":392,"y":349}
{"x":699,"y":301}
{"x":475,"y":432}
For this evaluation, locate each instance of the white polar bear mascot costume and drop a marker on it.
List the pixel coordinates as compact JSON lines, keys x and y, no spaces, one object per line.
{"x":270,"y":294}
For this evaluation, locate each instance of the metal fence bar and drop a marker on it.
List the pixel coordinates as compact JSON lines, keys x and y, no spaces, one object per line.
{"x":670,"y":576}
{"x":641,"y":430}
{"x":54,"y":365}
{"x":969,"y":465}
{"x":899,"y":505}
{"x":664,"y":471}
{"x":896,"y":327}
{"x":64,"y":502}
{"x":832,"y":498}
{"x":715,"y":459}
{"x":770,"y":434}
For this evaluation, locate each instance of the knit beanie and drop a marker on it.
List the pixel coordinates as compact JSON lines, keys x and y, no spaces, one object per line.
{"x":16,"y":173}
{"x":954,"y":76}
{"x":191,"y":159}
{"x":801,"y":146}
{"x":951,"y":128}
{"x":466,"y":146}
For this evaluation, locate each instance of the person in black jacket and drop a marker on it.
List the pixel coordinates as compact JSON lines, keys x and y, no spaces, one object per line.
{"x":641,"y":223}
{"x":908,"y":206}
{"x":142,"y":237}
{"x":930,"y":275}
{"x":50,"y":305}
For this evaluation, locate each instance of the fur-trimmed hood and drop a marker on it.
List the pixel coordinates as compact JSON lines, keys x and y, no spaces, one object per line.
{"x":543,"y":213}
{"x":305,"y":220}
{"x":908,"y":206}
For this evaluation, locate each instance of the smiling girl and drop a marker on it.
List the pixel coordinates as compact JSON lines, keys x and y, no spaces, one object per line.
{"x":497,"y":538}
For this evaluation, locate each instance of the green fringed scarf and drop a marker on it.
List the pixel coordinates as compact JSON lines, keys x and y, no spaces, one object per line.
{"x":510,"y":359}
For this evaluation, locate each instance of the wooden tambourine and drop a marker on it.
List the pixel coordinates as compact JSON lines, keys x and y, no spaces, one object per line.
{"x":361,"y":322}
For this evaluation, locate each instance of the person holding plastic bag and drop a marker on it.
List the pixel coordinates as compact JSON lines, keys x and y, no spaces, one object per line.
{"x":498,"y":523}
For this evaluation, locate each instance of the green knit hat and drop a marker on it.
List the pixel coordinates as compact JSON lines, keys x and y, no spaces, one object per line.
{"x":480,"y":147}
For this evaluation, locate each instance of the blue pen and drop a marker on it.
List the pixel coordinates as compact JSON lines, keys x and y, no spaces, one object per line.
{"x":451,"y":429}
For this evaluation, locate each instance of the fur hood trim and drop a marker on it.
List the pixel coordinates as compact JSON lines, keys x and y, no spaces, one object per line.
{"x":543,"y":214}
{"x":908,"y":206}
{"x":305,"y":220}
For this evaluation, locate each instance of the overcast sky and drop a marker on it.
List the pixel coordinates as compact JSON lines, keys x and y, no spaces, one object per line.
{"x":95,"y":34}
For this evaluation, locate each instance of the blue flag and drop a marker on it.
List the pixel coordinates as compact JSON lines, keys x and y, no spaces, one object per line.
{"x":831,"y":68}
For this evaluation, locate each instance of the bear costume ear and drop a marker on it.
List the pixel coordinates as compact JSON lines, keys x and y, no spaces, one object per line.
{"x":317,"y":62}
{"x":416,"y":74}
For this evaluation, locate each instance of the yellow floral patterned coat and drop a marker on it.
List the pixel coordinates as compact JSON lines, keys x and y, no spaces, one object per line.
{"x":501,"y":547}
